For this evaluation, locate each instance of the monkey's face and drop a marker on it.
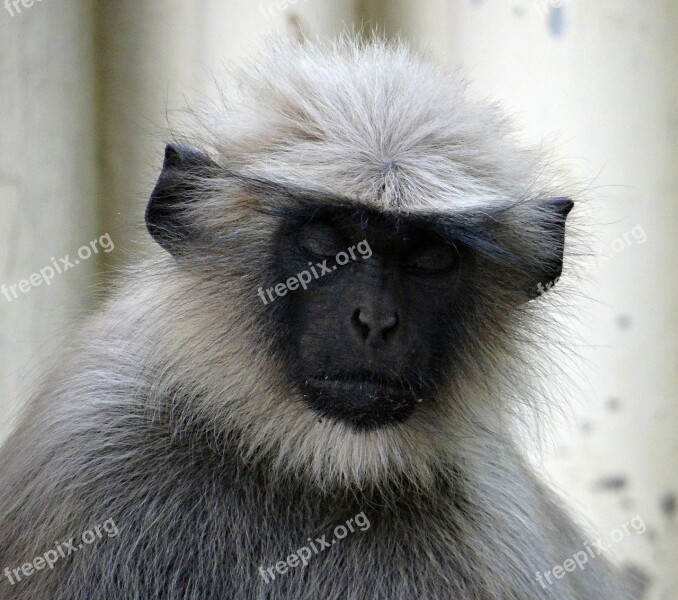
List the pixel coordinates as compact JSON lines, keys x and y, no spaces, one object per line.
{"x":441,"y":229}
{"x":375,"y":330}
{"x":370,"y":334}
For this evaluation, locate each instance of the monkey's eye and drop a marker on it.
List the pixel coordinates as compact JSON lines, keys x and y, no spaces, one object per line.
{"x":433,"y":257}
{"x":319,"y":239}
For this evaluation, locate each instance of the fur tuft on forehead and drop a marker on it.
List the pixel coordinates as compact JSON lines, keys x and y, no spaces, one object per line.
{"x":373,"y":120}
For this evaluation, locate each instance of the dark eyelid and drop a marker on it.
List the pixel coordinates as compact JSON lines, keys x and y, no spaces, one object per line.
{"x":333,"y":239}
{"x":433,"y":250}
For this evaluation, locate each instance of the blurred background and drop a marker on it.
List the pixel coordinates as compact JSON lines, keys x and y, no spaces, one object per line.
{"x":87,"y":90}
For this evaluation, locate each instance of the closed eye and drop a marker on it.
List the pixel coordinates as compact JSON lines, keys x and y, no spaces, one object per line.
{"x":320,"y":240}
{"x":433,"y":257}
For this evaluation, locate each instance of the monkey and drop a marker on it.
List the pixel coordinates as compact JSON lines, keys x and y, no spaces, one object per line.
{"x":351,"y":437}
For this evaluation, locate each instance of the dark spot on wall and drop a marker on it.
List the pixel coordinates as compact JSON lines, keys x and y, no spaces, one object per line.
{"x":624,"y":322}
{"x":610,"y":483}
{"x":669,"y":504}
{"x":586,"y":427}
{"x":556,"y":21}
{"x":613,"y":404}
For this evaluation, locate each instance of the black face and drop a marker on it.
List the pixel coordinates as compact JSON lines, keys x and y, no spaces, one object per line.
{"x":369,"y":339}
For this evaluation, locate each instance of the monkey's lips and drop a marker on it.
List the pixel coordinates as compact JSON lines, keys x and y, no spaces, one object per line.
{"x":364,"y":400}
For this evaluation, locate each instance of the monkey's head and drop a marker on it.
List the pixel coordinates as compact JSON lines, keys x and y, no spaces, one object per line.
{"x":351,"y":258}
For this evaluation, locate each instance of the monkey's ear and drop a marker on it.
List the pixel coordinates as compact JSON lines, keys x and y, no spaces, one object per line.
{"x":176,"y":189}
{"x":555,"y":211}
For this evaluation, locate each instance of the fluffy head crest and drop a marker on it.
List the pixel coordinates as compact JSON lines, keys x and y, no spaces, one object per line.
{"x":374,"y":121}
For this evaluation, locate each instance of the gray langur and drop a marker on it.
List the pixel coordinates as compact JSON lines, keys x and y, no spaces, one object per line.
{"x":308,"y":390}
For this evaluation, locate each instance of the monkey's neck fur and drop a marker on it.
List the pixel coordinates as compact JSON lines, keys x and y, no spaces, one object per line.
{"x":200,"y":511}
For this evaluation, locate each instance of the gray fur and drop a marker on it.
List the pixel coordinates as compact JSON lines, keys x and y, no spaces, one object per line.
{"x":170,"y":413}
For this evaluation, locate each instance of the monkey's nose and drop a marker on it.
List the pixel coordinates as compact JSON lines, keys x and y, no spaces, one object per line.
{"x":374,"y":326}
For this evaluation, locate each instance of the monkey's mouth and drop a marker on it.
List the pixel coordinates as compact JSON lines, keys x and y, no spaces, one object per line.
{"x":363,"y":400}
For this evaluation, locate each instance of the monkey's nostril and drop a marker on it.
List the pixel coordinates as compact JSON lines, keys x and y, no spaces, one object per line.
{"x":360,"y":324}
{"x":389,"y":326}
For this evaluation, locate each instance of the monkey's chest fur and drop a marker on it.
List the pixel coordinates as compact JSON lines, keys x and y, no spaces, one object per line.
{"x":208,"y":527}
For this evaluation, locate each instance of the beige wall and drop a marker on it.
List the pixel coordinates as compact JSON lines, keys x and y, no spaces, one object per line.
{"x":48,"y":196}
